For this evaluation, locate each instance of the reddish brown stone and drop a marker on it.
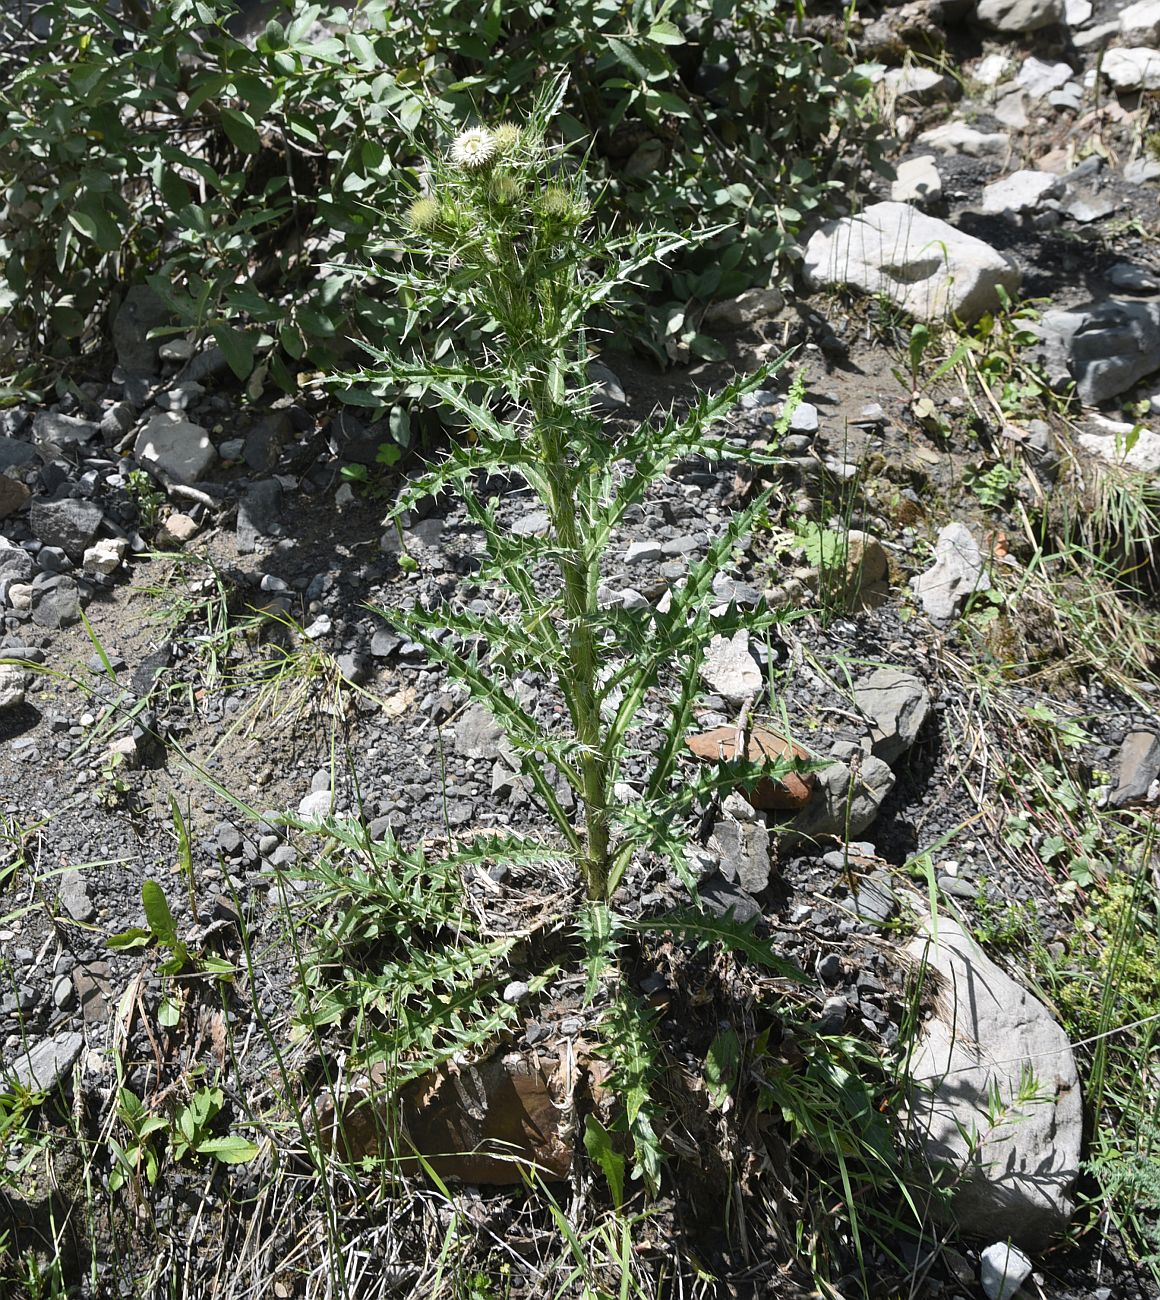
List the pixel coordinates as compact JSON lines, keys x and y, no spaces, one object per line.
{"x":790,"y":793}
{"x":480,"y":1123}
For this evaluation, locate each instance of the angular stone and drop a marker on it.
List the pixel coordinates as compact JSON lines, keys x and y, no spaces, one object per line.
{"x":921,"y":264}
{"x":69,"y":524}
{"x":1137,"y":68}
{"x":731,"y":670}
{"x":52,"y":430}
{"x":919,"y":84}
{"x":841,"y":805}
{"x":106,"y":555}
{"x":477,"y":734}
{"x":1106,"y":347}
{"x":898,"y":702}
{"x":722,"y":897}
{"x":74,"y":896}
{"x":1003,"y":1269}
{"x":744,"y":853}
{"x":867,"y":575}
{"x":1140,"y":23}
{"x":176,"y":531}
{"x":958,"y":137}
{"x":259,"y":513}
{"x":141,"y":310}
{"x":987,"y":1038}
{"x":789,"y":793}
{"x":13,"y":496}
{"x":917,"y":181}
{"x":42,"y":1067}
{"x":746,"y":309}
{"x":13,"y":684}
{"x":1019,"y":15}
{"x":957,"y":573}
{"x":488,"y":1121}
{"x":15,"y":453}
{"x":1137,"y":767}
{"x":178,"y":448}
{"x":1022,"y":191}
{"x":56,"y":602}
{"x":1039,"y":78}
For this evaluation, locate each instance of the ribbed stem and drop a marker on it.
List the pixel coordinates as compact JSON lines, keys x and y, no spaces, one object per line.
{"x":579,"y":569}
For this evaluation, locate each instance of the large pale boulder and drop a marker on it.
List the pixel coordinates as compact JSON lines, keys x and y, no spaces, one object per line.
{"x":994,"y":1095}
{"x":1137,"y":68}
{"x":1019,"y":15}
{"x":921,"y":264}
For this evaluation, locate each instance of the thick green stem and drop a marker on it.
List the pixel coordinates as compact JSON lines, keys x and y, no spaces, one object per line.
{"x":579,"y":568}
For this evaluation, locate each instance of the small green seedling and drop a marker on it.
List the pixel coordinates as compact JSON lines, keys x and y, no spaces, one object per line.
{"x":162,"y":931}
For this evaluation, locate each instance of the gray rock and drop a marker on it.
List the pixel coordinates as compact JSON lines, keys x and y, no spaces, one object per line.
{"x":743,"y":847}
{"x":264,"y":442}
{"x":607,"y":390}
{"x":74,"y":896}
{"x":986,"y":1037}
{"x":15,"y":562}
{"x":643,"y":552}
{"x":730,"y":670}
{"x":52,"y":430}
{"x":898,"y":702}
{"x":1003,"y":1269}
{"x":1022,"y":191}
{"x":141,"y":311}
{"x":1106,"y":347}
{"x":117,"y":421}
{"x":1039,"y":78}
{"x":178,"y":448}
{"x":959,"y":138}
{"x":15,"y":454}
{"x":1132,"y":69}
{"x":41,"y":1068}
{"x":72,"y":525}
{"x":1077,"y":12}
{"x":316,"y":804}
{"x":875,"y":900}
{"x":803,"y":418}
{"x":721,"y":897}
{"x":536,"y":523}
{"x":917,"y":180}
{"x":56,"y":602}
{"x":921,"y":264}
{"x":259,"y":514}
{"x":1019,"y":15}
{"x":1096,"y":38}
{"x":746,"y":309}
{"x":841,"y":806}
{"x":957,"y":573}
{"x":1137,"y":767}
{"x":1140,"y":170}
{"x":1140,"y":23}
{"x":1129,"y":278}
{"x":1085,"y":210}
{"x":13,"y":684}
{"x":920,"y":84}
{"x":477,"y":734}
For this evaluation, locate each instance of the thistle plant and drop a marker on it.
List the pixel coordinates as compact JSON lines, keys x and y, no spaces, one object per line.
{"x":503,"y":237}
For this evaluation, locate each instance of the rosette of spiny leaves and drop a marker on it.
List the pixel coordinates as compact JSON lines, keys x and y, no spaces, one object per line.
{"x":503,"y":236}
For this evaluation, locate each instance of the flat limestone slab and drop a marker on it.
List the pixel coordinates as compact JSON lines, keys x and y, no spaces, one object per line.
{"x":1011,"y":1159}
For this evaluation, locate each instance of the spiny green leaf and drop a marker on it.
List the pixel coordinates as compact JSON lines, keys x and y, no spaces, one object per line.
{"x":731,"y":934}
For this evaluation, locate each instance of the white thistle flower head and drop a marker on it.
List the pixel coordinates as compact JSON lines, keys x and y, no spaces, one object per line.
{"x":473,"y":148}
